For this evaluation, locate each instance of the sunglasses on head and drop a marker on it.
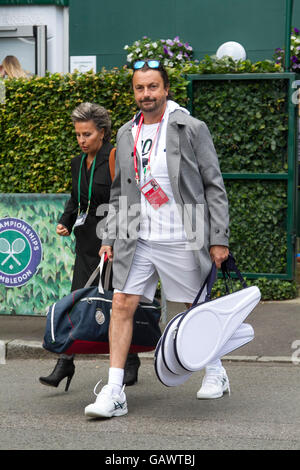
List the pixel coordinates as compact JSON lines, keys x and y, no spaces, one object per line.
{"x":152,"y":64}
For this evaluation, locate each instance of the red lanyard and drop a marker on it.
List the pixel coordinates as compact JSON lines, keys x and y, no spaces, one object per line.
{"x":137,"y":178}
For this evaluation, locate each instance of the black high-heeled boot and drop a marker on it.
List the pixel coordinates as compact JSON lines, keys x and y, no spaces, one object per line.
{"x":131,"y":369}
{"x":64,"y":368}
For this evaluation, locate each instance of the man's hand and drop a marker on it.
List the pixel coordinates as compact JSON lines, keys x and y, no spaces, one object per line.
{"x":108,"y":250}
{"x":218,"y":254}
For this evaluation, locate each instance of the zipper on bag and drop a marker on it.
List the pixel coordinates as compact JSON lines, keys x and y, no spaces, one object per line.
{"x":52,"y":323}
{"x":86,"y":299}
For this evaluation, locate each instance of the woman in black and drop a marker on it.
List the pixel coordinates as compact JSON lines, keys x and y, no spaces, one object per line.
{"x":91,"y":181}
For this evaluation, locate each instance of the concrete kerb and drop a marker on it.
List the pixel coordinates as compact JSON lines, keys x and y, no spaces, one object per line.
{"x":2,"y":352}
{"x":18,"y":349}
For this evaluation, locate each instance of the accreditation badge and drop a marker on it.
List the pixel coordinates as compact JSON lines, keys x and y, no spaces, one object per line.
{"x":81,"y":218}
{"x":154,"y":194}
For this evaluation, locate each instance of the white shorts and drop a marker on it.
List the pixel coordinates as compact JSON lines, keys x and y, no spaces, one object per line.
{"x":171,"y":263}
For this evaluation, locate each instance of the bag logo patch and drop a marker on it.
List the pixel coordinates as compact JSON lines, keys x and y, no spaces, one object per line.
{"x":99,"y":316}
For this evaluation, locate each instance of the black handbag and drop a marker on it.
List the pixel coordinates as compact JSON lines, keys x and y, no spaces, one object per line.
{"x":79,"y":322}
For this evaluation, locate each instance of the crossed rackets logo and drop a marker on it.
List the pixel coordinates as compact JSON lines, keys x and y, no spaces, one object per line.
{"x":17,"y":247}
{"x":20,"y":252}
{"x":15,"y":252}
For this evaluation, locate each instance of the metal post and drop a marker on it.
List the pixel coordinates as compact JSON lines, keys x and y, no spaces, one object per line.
{"x":288,"y":25}
{"x":292,"y":179}
{"x":40,"y":49}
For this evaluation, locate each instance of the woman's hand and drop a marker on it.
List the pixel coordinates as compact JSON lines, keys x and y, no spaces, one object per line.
{"x":62,"y":230}
{"x":108,"y":250}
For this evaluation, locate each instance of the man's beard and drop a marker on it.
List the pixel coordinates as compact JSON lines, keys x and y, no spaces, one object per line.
{"x":155,"y":105}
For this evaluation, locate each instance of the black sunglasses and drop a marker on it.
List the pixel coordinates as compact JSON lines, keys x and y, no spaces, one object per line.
{"x":152,"y":64}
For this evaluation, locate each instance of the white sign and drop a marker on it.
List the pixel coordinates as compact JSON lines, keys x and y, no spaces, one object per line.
{"x":83,"y":63}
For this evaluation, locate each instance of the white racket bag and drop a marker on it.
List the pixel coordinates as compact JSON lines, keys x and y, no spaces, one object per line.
{"x":207,"y":331}
{"x":169,"y":370}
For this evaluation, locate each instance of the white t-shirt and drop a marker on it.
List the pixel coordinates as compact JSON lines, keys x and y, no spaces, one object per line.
{"x":164,"y":223}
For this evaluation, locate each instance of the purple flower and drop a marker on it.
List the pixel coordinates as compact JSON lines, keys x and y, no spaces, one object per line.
{"x":297,"y":31}
{"x":294,"y":59}
{"x":168,"y":52}
{"x":176,"y":39}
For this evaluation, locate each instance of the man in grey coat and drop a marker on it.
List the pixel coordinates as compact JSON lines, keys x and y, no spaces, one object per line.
{"x":168,"y":220}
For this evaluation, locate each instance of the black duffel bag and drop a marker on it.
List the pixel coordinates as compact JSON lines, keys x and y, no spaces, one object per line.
{"x":79,"y":322}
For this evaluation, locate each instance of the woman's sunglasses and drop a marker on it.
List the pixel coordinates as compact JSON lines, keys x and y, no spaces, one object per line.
{"x":152,"y":64}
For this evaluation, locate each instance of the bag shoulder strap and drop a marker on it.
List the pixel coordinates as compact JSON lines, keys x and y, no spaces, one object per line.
{"x":112,"y":159}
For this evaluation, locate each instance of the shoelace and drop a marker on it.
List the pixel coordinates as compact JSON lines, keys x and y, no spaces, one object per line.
{"x":96,"y":387}
{"x":103,"y":389}
{"x":213,"y":379}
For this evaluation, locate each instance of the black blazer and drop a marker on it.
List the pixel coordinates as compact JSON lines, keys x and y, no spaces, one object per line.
{"x":100,"y":188}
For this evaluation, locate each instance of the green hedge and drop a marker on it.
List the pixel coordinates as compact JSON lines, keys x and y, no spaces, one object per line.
{"x":248,"y":121}
{"x":37,"y":137}
{"x":271,"y":289}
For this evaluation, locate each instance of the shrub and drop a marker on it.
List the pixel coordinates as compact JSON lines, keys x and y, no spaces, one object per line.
{"x":279,"y":55}
{"x":271,"y":289}
{"x":171,"y":52}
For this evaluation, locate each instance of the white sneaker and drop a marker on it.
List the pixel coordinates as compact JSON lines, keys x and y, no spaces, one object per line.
{"x":214,"y":384}
{"x":107,"y":404}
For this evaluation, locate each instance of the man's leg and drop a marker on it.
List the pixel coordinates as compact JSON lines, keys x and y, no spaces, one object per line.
{"x":141,"y":281}
{"x":120,"y":328}
{"x":120,"y":334}
{"x":111,"y":401}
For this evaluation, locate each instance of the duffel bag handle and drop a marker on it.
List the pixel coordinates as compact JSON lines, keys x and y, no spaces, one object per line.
{"x":208,"y":283}
{"x":230,"y":265}
{"x":99,"y":270}
{"x":227,"y":266}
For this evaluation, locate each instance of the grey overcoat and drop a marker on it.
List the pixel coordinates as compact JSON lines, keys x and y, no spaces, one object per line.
{"x":195,"y":178}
